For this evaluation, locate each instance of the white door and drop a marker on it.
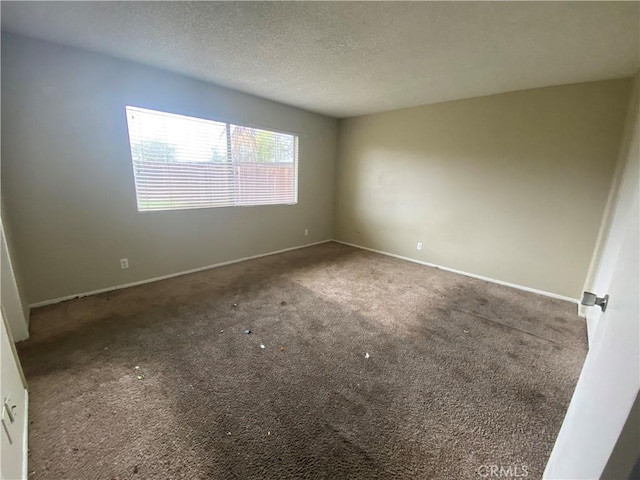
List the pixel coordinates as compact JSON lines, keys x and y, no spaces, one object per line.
{"x":14,"y":410}
{"x":613,"y":241}
{"x":610,"y":379}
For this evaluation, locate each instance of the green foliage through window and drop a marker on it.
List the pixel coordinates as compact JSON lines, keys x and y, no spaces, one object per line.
{"x":188,"y":162}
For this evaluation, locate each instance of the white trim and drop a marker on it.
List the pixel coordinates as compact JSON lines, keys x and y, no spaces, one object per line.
{"x":171,"y":275}
{"x":25,"y":444}
{"x":208,"y":267}
{"x":16,"y":320}
{"x":467,"y":274}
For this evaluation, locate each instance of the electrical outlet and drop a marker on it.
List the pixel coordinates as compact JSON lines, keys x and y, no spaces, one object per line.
{"x":124,"y":263}
{"x":306,"y":232}
{"x":419,"y":246}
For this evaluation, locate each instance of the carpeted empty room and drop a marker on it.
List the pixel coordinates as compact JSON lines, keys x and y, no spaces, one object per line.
{"x":286,"y":240}
{"x":372,"y":367}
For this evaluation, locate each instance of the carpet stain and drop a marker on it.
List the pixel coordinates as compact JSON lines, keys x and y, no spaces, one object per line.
{"x":460,"y":373}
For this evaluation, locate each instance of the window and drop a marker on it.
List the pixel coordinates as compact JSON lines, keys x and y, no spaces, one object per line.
{"x":185,"y":162}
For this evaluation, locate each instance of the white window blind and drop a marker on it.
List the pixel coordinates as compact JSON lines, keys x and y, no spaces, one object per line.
{"x":184,"y":162}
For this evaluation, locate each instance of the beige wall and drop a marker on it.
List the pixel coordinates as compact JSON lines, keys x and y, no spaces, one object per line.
{"x":511,"y":187}
{"x":67,"y":180}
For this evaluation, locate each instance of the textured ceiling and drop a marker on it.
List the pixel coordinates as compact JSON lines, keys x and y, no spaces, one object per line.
{"x":351,"y":58}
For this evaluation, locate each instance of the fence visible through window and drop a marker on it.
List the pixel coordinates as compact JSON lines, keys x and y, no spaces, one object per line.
{"x":184,"y":162}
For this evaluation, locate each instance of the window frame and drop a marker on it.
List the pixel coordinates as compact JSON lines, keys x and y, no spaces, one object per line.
{"x":228,"y":124}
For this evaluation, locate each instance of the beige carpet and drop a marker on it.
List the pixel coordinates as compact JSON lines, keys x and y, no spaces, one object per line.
{"x":372,"y":368}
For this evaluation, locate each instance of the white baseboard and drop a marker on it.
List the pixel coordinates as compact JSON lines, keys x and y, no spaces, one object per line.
{"x":466,"y":274}
{"x":171,"y":275}
{"x":208,"y":267}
